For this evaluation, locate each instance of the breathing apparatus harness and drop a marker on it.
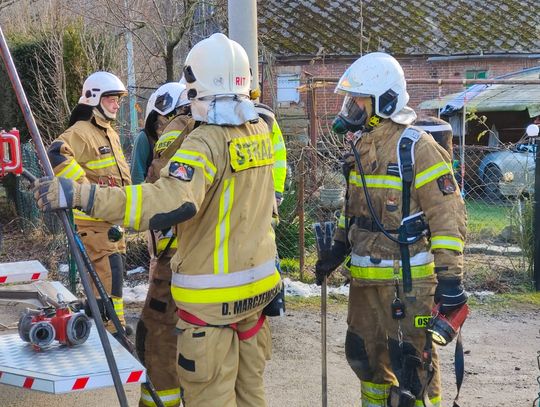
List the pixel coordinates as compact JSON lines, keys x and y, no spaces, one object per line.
{"x":412,"y":229}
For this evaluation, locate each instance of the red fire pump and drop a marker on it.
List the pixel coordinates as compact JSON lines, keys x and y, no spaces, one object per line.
{"x":41,"y":327}
{"x":10,"y":152}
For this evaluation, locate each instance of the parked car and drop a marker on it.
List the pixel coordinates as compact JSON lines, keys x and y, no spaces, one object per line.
{"x":508,"y":173}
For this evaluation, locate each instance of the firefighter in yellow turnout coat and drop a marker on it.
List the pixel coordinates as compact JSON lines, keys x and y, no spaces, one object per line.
{"x":218,"y":187}
{"x":155,"y":330}
{"x":384,"y":341}
{"x":89,"y":151}
{"x":155,"y":336}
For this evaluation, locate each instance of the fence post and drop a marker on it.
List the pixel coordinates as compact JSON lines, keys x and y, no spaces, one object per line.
{"x":312,"y":109}
{"x":536,"y":227}
{"x":301,"y":228}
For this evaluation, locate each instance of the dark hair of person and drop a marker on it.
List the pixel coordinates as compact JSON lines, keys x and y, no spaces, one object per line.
{"x":80,"y":112}
{"x":150,"y":126}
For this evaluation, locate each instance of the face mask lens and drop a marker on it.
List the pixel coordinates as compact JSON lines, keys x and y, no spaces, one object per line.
{"x":350,"y":109}
{"x":350,"y":118}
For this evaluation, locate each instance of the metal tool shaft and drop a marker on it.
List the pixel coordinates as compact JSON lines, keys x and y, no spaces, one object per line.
{"x":42,"y":154}
{"x":324,"y":371}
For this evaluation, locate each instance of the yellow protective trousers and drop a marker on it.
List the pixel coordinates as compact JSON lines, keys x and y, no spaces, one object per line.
{"x":376,"y":344}
{"x":156,"y":338}
{"x":109,"y":264}
{"x":218,"y":369}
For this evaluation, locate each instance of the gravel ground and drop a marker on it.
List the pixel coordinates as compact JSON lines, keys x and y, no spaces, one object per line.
{"x":500,"y":363}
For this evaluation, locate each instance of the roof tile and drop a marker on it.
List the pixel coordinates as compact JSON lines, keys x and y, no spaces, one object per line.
{"x":303,"y":27}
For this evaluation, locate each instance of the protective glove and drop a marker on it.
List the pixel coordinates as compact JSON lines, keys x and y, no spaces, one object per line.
{"x":329,"y":260}
{"x":450,"y":295}
{"x":57,"y":193}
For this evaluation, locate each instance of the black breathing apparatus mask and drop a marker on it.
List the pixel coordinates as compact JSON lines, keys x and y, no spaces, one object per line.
{"x":351,"y":117}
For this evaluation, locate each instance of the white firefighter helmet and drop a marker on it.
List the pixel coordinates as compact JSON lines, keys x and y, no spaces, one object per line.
{"x":167,"y":98}
{"x":217,"y":66}
{"x":380,"y":76}
{"x":101,"y":84}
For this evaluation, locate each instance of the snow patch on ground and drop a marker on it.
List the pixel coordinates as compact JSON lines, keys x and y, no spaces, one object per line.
{"x":137,"y":270}
{"x":135,"y":294}
{"x":299,"y":289}
{"x":292,"y":288}
{"x":481,"y":295}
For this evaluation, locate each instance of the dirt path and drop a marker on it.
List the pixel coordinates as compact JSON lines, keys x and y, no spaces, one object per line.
{"x":500,"y":361}
{"x":500,"y":364}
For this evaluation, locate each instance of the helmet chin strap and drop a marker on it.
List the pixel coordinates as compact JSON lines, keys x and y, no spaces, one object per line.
{"x":372,"y":120}
{"x":110,"y":116}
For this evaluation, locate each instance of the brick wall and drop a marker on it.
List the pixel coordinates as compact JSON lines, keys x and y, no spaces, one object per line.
{"x":328,"y":104}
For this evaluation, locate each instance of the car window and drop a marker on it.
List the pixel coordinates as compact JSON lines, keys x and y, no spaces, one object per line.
{"x":525,"y":148}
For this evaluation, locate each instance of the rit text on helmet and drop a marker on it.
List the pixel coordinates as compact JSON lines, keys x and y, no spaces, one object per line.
{"x":240,"y":81}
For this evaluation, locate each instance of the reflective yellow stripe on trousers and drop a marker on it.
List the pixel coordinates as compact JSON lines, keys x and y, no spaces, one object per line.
{"x":374,"y":394}
{"x":118,"y":304}
{"x":169,"y":397}
{"x":435,"y":402}
{"x":217,"y":288}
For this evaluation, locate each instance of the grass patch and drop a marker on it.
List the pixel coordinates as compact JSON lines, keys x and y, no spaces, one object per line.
{"x":486,"y":220}
{"x":510,"y":301}
{"x":335,"y":302}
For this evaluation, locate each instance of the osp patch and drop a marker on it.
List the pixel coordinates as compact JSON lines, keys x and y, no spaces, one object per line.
{"x":446,"y":184}
{"x":181,"y":171}
{"x":421,"y":321}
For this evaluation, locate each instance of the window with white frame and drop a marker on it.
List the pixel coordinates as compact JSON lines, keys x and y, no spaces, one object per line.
{"x":287,"y":88}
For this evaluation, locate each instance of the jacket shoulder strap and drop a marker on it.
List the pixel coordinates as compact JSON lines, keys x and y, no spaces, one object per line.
{"x":405,"y":152}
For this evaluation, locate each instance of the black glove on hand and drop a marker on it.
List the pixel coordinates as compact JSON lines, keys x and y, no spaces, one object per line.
{"x":450,"y":295}
{"x":330,"y":260}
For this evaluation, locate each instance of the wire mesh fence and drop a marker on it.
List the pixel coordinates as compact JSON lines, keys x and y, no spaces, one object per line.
{"x":499,"y":249}
{"x":497,"y":186}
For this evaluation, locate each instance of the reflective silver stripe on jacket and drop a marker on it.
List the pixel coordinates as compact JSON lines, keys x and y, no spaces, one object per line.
{"x":233,"y":279}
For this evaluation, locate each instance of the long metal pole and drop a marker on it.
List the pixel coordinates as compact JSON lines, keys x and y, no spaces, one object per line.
{"x":42,"y":154}
{"x":462,"y":149}
{"x":301,"y":220}
{"x":133,"y":122}
{"x":537,"y":217}
{"x":243,"y":29}
{"x":313,"y":134}
{"x":324,"y":370}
